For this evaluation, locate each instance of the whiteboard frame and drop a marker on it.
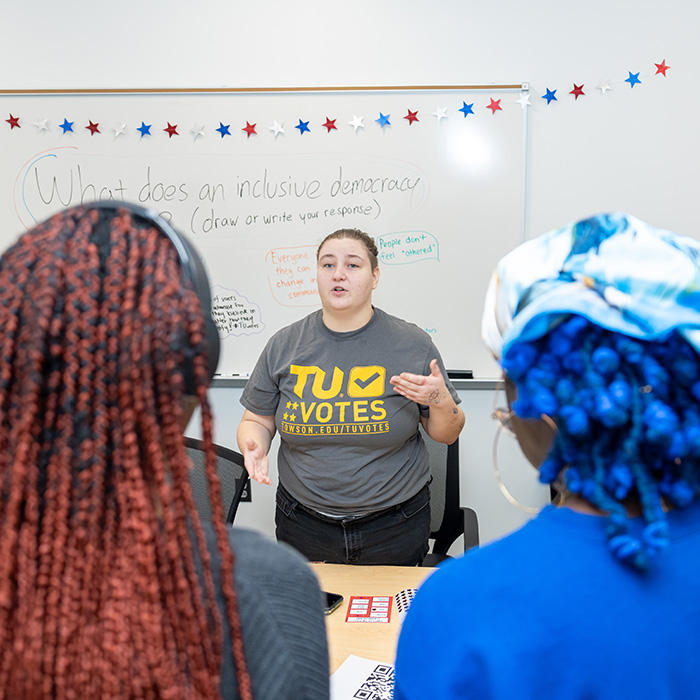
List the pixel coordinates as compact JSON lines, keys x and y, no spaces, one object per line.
{"x":524,"y":87}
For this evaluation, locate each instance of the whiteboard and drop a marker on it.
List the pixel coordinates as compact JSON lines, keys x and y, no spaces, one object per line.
{"x":258,"y":179}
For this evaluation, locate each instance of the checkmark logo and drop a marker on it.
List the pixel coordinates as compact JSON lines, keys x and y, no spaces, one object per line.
{"x":365,"y":382}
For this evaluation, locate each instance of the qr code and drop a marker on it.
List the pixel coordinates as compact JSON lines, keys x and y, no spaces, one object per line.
{"x":378,"y":686}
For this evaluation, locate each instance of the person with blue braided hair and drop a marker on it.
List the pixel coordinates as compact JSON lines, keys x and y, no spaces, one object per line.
{"x":597,"y":328}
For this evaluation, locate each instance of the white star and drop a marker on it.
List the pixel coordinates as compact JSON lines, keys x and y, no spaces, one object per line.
{"x":604,"y":86}
{"x":356,"y":123}
{"x":197,"y":131}
{"x":440,"y":113}
{"x":118,"y":130}
{"x":42,"y":124}
{"x":277,"y":128}
{"x":524,"y":100}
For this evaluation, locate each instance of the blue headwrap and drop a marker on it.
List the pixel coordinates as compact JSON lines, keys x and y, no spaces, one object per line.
{"x":613,"y":269}
{"x":561,"y":315}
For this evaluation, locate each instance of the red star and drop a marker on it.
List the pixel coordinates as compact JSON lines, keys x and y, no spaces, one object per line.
{"x":494,"y":106}
{"x":661,"y":68}
{"x":412,"y":116}
{"x":92,"y":128}
{"x":577,"y":91}
{"x":249,"y":129}
{"x":172,"y":130}
{"x":13,"y":122}
{"x":330,"y":124}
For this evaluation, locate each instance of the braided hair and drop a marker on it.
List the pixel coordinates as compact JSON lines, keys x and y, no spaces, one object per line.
{"x":100,"y":592}
{"x":628,"y":417}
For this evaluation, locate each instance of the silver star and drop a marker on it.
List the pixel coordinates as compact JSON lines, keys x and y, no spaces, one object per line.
{"x":277,"y":128}
{"x":524,"y":100}
{"x":356,"y":123}
{"x":440,"y":113}
{"x":197,"y":131}
{"x":604,"y":86}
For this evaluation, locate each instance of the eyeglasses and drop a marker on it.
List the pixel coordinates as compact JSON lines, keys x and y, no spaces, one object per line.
{"x":503,"y":416}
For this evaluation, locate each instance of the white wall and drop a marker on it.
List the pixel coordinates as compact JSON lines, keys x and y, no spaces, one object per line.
{"x":635,"y":149}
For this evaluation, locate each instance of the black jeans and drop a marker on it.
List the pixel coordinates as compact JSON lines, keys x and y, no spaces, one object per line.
{"x":395,"y":536}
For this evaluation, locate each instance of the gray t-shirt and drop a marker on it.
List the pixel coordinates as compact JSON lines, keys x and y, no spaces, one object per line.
{"x":349,"y":443}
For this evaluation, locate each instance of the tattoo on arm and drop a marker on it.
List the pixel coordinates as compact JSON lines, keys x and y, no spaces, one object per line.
{"x":434,"y":397}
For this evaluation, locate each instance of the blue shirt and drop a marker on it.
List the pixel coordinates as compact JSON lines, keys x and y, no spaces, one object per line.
{"x":549,"y":613}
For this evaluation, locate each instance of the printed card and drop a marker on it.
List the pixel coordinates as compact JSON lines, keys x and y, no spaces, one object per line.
{"x":369,"y":609}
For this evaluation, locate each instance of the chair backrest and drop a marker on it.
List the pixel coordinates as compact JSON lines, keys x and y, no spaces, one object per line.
{"x":233,"y":477}
{"x":446,"y":517}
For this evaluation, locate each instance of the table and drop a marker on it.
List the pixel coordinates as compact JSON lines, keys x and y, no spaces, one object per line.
{"x":371,"y":641}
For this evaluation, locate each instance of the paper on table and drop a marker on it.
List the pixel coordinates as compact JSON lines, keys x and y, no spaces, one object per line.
{"x":403,"y":601}
{"x":374,"y":679}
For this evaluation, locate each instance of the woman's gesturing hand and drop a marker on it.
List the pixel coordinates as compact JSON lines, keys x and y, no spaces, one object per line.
{"x":428,"y":390}
{"x":256,"y":462}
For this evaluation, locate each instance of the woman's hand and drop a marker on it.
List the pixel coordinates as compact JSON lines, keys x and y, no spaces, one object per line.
{"x":446,"y":418}
{"x":256,"y":463}
{"x":428,"y":390}
{"x":255,"y":434}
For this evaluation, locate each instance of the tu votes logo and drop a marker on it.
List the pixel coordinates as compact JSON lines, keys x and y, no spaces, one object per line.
{"x":337,"y":402}
{"x":362,"y":382}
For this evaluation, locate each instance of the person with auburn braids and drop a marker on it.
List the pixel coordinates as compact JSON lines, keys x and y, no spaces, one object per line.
{"x":347,"y":388}
{"x":597,"y":328}
{"x":110,"y":586}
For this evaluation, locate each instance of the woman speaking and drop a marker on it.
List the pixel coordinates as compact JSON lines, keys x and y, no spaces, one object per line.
{"x":347,"y":388}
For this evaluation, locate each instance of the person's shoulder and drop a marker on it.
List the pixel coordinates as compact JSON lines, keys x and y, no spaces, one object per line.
{"x":264,"y":559}
{"x":280,"y":604}
{"x":296,"y":327}
{"x":400,"y":325}
{"x":292,"y":332}
{"x":250,"y":545}
{"x":490,"y":562}
{"x":449,"y":576}
{"x":454,"y":610}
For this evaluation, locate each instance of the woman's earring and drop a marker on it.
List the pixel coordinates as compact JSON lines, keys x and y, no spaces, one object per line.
{"x":497,"y":472}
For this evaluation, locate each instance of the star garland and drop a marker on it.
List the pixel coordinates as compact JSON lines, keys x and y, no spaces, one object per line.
{"x":383,"y":121}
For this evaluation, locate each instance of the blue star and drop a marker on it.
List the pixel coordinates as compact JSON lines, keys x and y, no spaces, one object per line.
{"x":145,"y":129}
{"x":466,"y":109}
{"x":67,"y":126}
{"x":223,"y":129}
{"x":383,"y":120}
{"x":634,"y":78}
{"x":550,"y":95}
{"x":302,"y":126}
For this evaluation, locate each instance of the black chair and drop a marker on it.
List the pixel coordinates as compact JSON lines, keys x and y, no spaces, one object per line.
{"x":232,"y":476}
{"x":448,"y":521}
